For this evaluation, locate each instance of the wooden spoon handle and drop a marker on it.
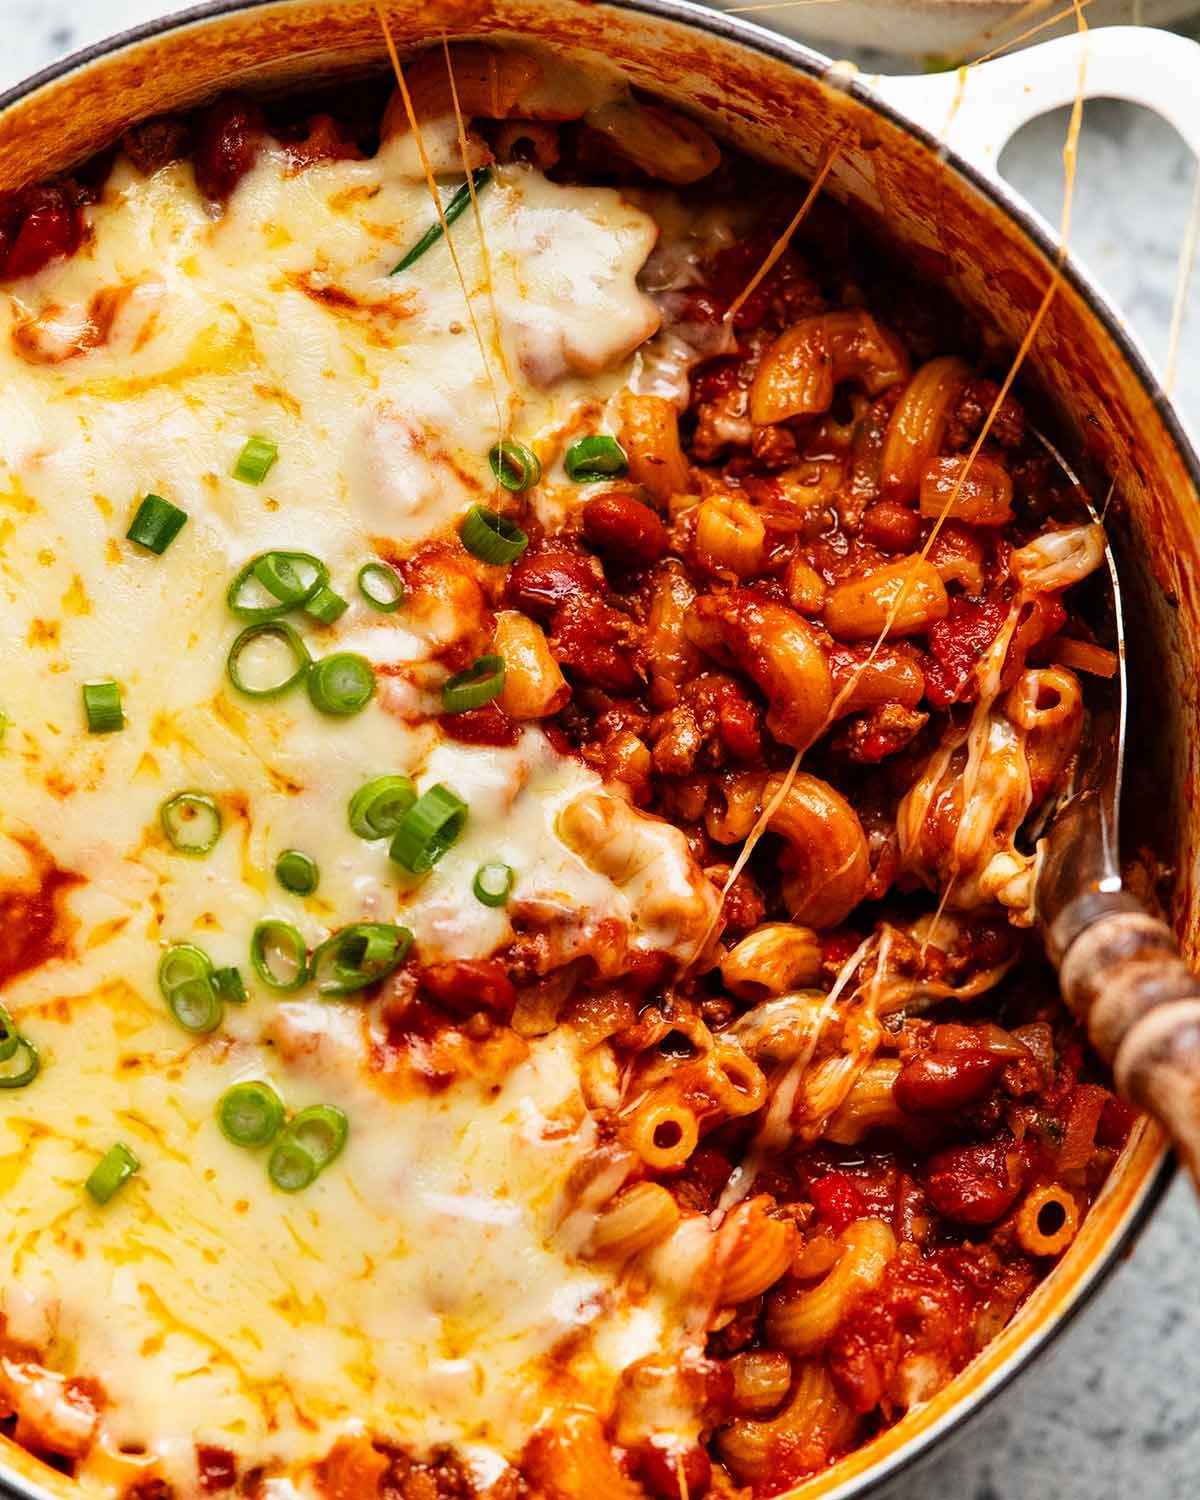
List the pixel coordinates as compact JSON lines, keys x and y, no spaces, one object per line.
{"x":1123,"y":977}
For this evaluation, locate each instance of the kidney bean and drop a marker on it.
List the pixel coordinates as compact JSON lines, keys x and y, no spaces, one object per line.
{"x":217,"y":1468}
{"x":322,"y":140}
{"x":543,"y":580}
{"x":229,"y":136}
{"x":890,"y":526}
{"x":936,"y":1083}
{"x":467,"y":985}
{"x":597,"y":644}
{"x":661,"y":1467}
{"x":154,"y":143}
{"x":622,"y":527}
{"x":45,"y":224}
{"x":975,"y":1184}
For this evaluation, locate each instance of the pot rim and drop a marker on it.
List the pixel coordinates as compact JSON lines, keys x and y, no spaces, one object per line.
{"x":817,"y":65}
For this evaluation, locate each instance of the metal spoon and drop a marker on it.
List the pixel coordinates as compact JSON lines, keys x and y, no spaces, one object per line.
{"x":1119,"y":968}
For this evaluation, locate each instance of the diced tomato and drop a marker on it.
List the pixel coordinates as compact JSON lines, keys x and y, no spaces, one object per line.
{"x":42,"y":224}
{"x":956,"y":644}
{"x":838,"y":1200}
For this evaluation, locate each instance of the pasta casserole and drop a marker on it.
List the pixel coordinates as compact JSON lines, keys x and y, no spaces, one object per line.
{"x":532,"y":668}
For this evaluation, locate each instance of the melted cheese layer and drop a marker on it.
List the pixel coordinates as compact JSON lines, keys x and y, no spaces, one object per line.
{"x":417,"y":1289}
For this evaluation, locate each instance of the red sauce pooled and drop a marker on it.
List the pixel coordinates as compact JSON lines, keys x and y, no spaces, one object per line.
{"x":33,"y":922}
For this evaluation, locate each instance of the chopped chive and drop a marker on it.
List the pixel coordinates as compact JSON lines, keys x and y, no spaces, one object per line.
{"x":20,"y":1062}
{"x":341,"y":684}
{"x":297,"y":872}
{"x":229,"y":984}
{"x":156,"y":524}
{"x":515,"y":466}
{"x":111,"y":1172}
{"x":462,"y":196}
{"x":491,"y":537}
{"x":376,"y":809}
{"x":102,"y":705}
{"x":493,"y":883}
{"x":321,"y":1130}
{"x":381,"y":586}
{"x":23,"y":1067}
{"x":479,"y":684}
{"x":185,"y":977}
{"x":326,"y":606}
{"x":256,"y":460}
{"x":279,"y":955}
{"x":432,"y":825}
{"x":291,"y":1168}
{"x":10,"y":1037}
{"x":191,"y":822}
{"x":250,"y":1114}
{"x":268,"y":630}
{"x":285,"y":580}
{"x":594,"y":458}
{"x":360,"y":955}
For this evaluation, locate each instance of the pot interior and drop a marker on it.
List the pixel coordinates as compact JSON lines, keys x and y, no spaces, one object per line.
{"x":776,"y":101}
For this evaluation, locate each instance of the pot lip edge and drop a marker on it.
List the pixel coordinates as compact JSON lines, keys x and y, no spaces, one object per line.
{"x":817,"y":65}
{"x":794,"y":53}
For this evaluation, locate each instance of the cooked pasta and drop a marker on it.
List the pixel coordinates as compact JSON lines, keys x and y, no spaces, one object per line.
{"x":1047,"y":1220}
{"x":802,"y":1321}
{"x":527,"y":994}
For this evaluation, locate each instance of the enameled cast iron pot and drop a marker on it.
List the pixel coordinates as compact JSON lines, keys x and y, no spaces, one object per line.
{"x":918,"y":160}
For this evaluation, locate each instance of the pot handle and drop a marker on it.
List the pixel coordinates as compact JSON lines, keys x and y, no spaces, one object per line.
{"x":977,"y":111}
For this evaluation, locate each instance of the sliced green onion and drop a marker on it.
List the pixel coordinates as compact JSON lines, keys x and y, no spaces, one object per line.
{"x":376,"y":810}
{"x":10,"y":1037}
{"x":19,"y":1060}
{"x":5,"y":721}
{"x":22,"y":1065}
{"x":296,"y":871}
{"x":285,"y":581}
{"x":493,"y":883}
{"x":191,"y":822}
{"x":279,"y":955}
{"x":341,"y":684}
{"x":185,"y":977}
{"x":517,"y":467}
{"x":256,"y":460}
{"x":111,"y":1172}
{"x":462,"y":196}
{"x":181,"y":962}
{"x":196,"y":1005}
{"x":326,"y":606}
{"x":250,"y":1114}
{"x":321,"y":1130}
{"x":479,"y":684}
{"x":291,"y":1168}
{"x":102,"y":705}
{"x":359,"y":955}
{"x":277,"y":573}
{"x":381,"y":586}
{"x":491,"y":537}
{"x":156,"y":524}
{"x":229,"y":984}
{"x":268,"y":630}
{"x":593,"y":458}
{"x":431,"y":825}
